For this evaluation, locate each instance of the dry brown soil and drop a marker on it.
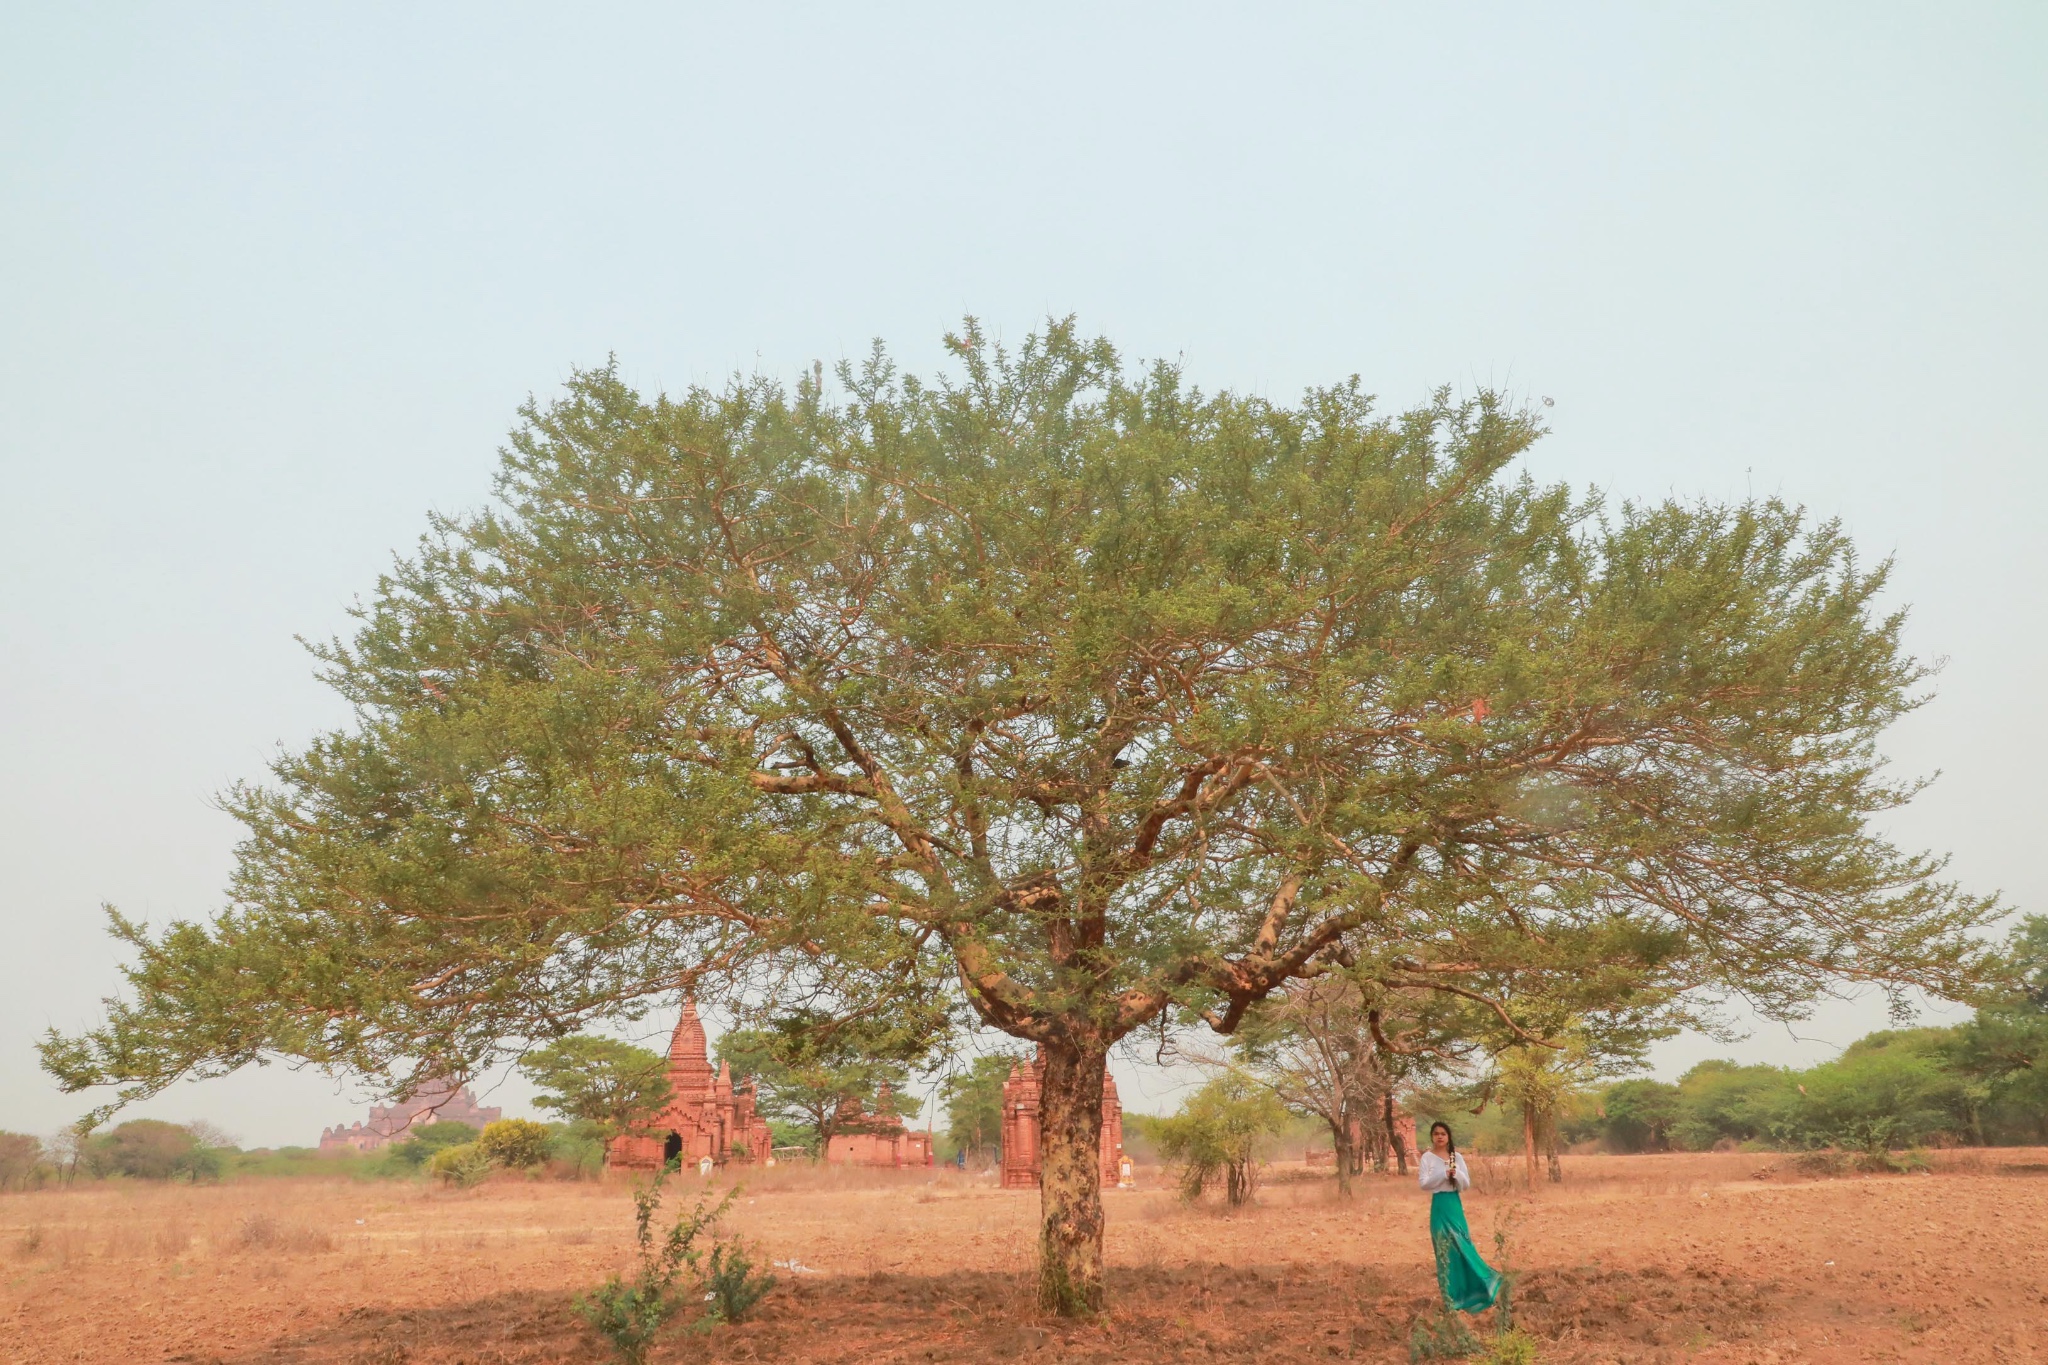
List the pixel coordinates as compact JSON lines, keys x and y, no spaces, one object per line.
{"x":1663,"y":1258}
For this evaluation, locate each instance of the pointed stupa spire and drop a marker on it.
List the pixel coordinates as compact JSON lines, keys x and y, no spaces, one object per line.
{"x":688,"y":1044}
{"x":689,"y":1063}
{"x":724,"y":1077}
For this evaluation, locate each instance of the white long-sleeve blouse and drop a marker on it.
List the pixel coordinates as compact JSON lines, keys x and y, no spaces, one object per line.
{"x":1433,"y":1173}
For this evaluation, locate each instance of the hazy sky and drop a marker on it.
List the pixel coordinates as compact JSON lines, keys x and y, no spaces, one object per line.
{"x":273,"y":282}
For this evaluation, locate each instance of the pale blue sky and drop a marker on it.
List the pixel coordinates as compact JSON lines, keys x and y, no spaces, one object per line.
{"x":272,"y":282}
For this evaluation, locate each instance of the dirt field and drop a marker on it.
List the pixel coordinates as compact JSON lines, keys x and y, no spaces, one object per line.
{"x":1675,"y":1258}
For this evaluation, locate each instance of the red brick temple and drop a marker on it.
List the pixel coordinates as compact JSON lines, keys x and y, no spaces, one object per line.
{"x":707,"y":1115}
{"x":1020,"y":1126}
{"x":436,"y":1102}
{"x":881,"y":1139}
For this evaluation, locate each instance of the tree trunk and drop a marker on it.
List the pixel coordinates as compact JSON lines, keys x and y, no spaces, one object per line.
{"x":1529,"y":1141}
{"x":1070,"y":1181}
{"x":1550,"y":1150}
{"x":1341,"y":1149}
{"x":1237,"y":1181}
{"x":1394,"y":1138}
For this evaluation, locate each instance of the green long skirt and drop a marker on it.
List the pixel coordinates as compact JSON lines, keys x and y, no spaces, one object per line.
{"x":1468,"y":1282}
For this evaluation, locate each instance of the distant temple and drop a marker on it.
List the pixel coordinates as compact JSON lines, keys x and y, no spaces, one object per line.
{"x":707,"y":1115}
{"x":879,"y":1140}
{"x":1020,"y":1126}
{"x":435,"y":1102}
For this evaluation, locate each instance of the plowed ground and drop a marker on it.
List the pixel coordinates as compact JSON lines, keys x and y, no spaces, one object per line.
{"x":1668,"y":1258}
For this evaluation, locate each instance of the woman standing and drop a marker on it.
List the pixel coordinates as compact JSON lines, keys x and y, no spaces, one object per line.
{"x":1468,"y":1282}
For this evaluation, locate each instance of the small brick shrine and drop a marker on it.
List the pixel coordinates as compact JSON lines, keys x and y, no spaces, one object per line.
{"x":880,"y":1139}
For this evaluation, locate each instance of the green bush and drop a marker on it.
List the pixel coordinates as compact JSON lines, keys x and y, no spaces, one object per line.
{"x":1512,"y":1347}
{"x":630,"y":1314}
{"x":516,"y":1144}
{"x":731,"y":1284}
{"x":461,"y":1166}
{"x":1441,"y":1336}
{"x":1638,"y":1115}
{"x":1720,"y":1101}
{"x":1886,"y":1091}
{"x":421,"y":1145}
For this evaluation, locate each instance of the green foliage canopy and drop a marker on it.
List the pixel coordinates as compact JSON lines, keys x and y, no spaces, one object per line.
{"x":2004,"y":1048}
{"x":421,"y":1144}
{"x":515,"y":1144}
{"x":1639,"y":1114}
{"x":1119,"y":693}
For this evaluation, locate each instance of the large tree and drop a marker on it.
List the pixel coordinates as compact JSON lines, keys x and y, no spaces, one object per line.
{"x":1104,"y":695}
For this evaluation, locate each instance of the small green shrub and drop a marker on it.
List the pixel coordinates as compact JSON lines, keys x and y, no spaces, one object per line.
{"x":517,"y":1144}
{"x":631,"y":1313}
{"x":733,"y":1286}
{"x":1512,"y":1347}
{"x":418,"y":1149}
{"x":461,"y":1166}
{"x":1443,"y":1336}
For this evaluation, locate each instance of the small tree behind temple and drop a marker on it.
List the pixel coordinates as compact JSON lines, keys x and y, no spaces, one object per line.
{"x":973,"y":1097}
{"x":832,"y":1075}
{"x":600,"y":1081}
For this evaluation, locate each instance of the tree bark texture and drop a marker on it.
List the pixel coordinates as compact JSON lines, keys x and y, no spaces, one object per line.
{"x":1070,"y":1181}
{"x":1393,"y":1137}
{"x":1529,"y":1142}
{"x":1342,"y":1151}
{"x":1550,"y":1150}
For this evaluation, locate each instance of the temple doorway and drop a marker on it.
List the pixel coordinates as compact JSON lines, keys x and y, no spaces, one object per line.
{"x":672,"y":1149}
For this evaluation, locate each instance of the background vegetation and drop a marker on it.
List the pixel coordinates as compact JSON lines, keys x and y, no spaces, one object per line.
{"x":1981,"y":1082}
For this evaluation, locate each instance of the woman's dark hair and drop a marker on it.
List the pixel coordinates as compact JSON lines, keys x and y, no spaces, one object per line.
{"x":1453,"y":1137}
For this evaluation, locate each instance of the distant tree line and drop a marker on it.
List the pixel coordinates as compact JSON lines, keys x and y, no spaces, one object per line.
{"x":152,"y":1149}
{"x":1977,"y":1083}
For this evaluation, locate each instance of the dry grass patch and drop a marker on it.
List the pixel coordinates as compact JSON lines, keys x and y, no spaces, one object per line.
{"x":1635,"y":1259}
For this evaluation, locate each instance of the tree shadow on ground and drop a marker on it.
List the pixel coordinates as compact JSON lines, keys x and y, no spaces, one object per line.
{"x":1201,"y":1312}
